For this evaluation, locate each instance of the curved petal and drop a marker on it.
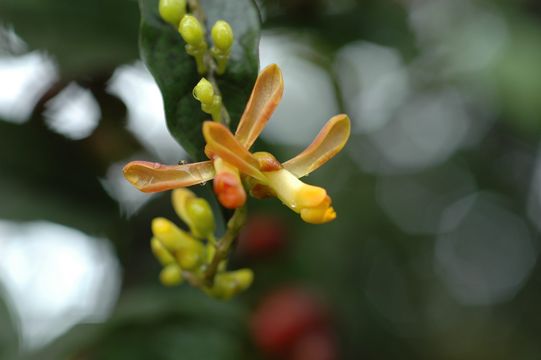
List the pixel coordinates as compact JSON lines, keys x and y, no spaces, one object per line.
{"x":222,"y":143}
{"x":265,"y":97}
{"x":153,"y":177}
{"x":330,"y":140}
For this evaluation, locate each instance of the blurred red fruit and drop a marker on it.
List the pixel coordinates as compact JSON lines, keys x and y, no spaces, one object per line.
{"x":284,"y":317}
{"x":262,"y":236}
{"x":315,"y":345}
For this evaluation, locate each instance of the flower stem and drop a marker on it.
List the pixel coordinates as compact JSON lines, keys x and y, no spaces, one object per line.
{"x":223,"y":246}
{"x":208,"y":62}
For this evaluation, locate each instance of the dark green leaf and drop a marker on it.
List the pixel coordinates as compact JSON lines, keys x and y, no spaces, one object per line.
{"x":163,"y":51}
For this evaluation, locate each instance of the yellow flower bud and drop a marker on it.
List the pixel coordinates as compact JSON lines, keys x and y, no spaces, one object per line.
{"x":201,"y":216}
{"x":171,"y":275}
{"x":195,"y":212}
{"x":179,"y":198}
{"x":229,"y":284}
{"x":172,"y":11}
{"x":169,"y":234}
{"x":204,"y":92}
{"x":191,"y":256}
{"x":192,"y":31}
{"x":222,"y":36}
{"x":160,"y":252}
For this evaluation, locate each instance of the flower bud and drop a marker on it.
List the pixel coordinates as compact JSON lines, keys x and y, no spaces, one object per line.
{"x":195,"y":212}
{"x":160,"y":252}
{"x":179,"y":198}
{"x":222,"y":36}
{"x":191,"y":31}
{"x":201,"y":217}
{"x":171,"y":275}
{"x":204,"y":92}
{"x":169,"y":234}
{"x":227,"y":185}
{"x":229,"y":284}
{"x":172,"y":11}
{"x":191,"y":255}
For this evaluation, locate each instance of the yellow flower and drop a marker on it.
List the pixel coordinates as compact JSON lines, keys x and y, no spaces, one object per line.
{"x":262,"y":173}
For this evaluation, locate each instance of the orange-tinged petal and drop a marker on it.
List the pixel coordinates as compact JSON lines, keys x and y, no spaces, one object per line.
{"x":229,"y":190}
{"x":222,"y":143}
{"x":153,"y":177}
{"x":227,"y":185}
{"x":330,"y":140}
{"x":266,"y":95}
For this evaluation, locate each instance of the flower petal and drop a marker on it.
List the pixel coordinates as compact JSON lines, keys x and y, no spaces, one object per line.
{"x":222,"y":143}
{"x":227,"y":185}
{"x":265,"y":97}
{"x":330,"y":140}
{"x":153,"y":177}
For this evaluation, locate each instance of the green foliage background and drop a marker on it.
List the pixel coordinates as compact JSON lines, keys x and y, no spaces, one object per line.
{"x":43,"y":175}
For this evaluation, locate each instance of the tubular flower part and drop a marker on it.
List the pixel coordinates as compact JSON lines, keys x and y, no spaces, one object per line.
{"x":231,"y":163}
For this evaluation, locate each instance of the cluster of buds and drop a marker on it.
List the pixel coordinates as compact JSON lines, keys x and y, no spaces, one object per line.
{"x":197,"y":256}
{"x":193,"y":33}
{"x":189,"y":255}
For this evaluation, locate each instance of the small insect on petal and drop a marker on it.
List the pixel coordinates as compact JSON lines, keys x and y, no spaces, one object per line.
{"x":330,"y":140}
{"x":153,"y":177}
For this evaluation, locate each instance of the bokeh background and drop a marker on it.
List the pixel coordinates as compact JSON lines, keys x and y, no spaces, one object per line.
{"x":434,"y":254}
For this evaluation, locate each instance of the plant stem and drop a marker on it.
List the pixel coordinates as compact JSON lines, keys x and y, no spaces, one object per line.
{"x":199,"y":13}
{"x":224,"y":244}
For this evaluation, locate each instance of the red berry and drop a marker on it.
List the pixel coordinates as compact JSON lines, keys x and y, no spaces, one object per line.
{"x":315,"y":345}
{"x":284,"y":317}
{"x":262,"y":236}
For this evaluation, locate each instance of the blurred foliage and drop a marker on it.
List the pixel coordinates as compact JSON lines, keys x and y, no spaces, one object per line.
{"x":84,"y":37}
{"x":386,"y":293}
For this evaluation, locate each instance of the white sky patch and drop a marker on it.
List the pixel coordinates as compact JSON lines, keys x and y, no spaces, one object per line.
{"x":23,"y":80}
{"x":55,"y":277}
{"x":128,"y":197}
{"x":74,"y":112}
{"x":146,"y":118}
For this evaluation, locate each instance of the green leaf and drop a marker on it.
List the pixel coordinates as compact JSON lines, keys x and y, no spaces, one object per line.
{"x":162,"y":49}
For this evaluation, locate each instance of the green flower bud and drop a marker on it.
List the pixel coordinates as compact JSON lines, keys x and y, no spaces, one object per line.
{"x":229,"y":284}
{"x":192,"y":31}
{"x":171,"y":275}
{"x":222,"y":36}
{"x":201,"y":216}
{"x":172,"y":11}
{"x":191,"y":256}
{"x":204,"y":92}
{"x":160,"y":252}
